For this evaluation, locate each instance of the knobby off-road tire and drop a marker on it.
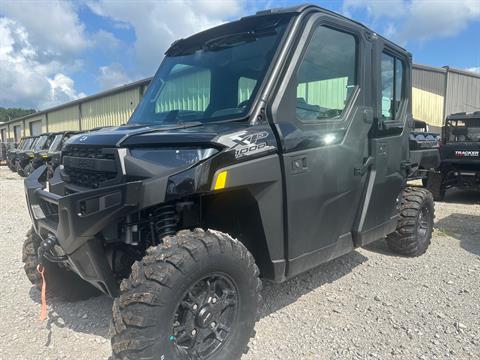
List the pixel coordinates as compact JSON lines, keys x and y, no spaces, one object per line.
{"x":414,"y":230}
{"x":61,"y":282}
{"x":436,"y":185}
{"x":160,"y":313}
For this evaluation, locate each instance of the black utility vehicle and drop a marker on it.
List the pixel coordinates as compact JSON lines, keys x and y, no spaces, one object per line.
{"x":40,"y":153}
{"x":424,"y":150}
{"x":24,"y":155}
{"x":262,"y":148}
{"x":460,"y":155}
{"x":55,"y":150}
{"x":28,"y":160}
{"x":12,"y":153}
{"x":51,"y":153}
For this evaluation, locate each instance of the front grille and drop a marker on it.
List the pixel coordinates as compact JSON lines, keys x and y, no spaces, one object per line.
{"x":90,"y":167}
{"x":89,"y":152}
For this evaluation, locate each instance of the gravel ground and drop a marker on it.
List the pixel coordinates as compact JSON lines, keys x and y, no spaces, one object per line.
{"x":367,"y":304}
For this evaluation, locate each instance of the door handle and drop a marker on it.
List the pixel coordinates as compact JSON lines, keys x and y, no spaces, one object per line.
{"x":299,"y":165}
{"x":360,"y":171}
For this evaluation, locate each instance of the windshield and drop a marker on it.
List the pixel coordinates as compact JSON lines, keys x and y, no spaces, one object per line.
{"x":21,"y":144}
{"x":212,"y":76}
{"x":463,"y":130}
{"x":27,"y":144}
{"x":40,"y":142}
{"x":56,"y":142}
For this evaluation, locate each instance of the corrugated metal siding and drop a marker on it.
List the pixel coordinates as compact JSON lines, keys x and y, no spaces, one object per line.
{"x":330,"y":93}
{"x":64,"y":119}
{"x":188,"y":92}
{"x":40,"y":118}
{"x":110,"y":110}
{"x":463,"y":93}
{"x":428,"y":79}
{"x":11,"y":134}
{"x":427,"y":106}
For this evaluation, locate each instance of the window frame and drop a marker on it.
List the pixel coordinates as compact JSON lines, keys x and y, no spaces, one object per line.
{"x":341,"y":119}
{"x":397,"y":110}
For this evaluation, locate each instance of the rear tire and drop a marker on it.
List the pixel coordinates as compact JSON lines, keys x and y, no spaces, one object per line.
{"x":160,"y":314}
{"x":61,"y":282}
{"x":415,"y":226}
{"x":436,"y":185}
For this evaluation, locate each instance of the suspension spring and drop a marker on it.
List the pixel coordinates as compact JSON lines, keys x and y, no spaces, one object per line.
{"x":166,"y":221}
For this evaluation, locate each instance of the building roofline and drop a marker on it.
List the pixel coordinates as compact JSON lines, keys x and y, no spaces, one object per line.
{"x":429,"y":68}
{"x":445,"y":69}
{"x":462,"y":71}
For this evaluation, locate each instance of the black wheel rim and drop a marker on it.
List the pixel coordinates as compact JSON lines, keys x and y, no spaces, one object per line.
{"x":423,"y":224}
{"x":205,"y":317}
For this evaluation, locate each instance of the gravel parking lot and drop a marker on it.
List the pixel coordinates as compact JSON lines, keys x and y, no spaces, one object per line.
{"x":367,"y":304}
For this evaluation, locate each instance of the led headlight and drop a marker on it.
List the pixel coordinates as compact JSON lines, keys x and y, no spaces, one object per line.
{"x":173,"y":157}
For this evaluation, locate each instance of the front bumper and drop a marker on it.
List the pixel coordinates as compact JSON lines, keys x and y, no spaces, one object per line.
{"x":76,"y":219}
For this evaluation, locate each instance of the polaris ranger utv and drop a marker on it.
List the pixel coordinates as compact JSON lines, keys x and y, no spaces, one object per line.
{"x":12,"y":153}
{"x":260,"y":149}
{"x":459,"y":153}
{"x":24,"y":155}
{"x":50,"y":154}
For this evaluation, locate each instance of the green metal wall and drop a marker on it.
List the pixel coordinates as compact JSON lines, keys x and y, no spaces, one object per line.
{"x":330,"y":93}
{"x":110,"y":110}
{"x":64,"y":119}
{"x":192,"y":92}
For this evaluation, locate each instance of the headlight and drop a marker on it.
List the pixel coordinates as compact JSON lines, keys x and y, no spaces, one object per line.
{"x":173,"y":157}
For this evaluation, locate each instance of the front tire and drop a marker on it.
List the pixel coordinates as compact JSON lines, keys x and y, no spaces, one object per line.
{"x":61,"y":282}
{"x":414,"y":229}
{"x":195,"y":296}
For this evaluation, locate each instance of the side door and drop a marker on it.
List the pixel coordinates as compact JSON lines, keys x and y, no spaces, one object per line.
{"x":388,"y":144}
{"x":322,"y":119}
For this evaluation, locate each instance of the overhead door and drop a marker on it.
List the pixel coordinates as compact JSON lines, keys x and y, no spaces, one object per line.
{"x":35,"y":127}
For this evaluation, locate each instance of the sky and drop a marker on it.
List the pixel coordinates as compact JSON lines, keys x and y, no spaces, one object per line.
{"x":56,"y":51}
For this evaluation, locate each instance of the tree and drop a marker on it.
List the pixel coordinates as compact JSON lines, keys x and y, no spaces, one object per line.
{"x":7,"y":114}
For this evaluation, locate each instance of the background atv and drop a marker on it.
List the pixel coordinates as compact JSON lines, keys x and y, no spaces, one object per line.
{"x":460,"y":155}
{"x":24,"y":155}
{"x":423,"y":151}
{"x":242,"y":130}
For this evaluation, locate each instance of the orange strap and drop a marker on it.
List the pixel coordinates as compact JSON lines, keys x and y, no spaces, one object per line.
{"x":43,"y":313}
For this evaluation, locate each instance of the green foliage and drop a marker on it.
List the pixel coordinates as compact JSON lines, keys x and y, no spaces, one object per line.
{"x":13,"y":113}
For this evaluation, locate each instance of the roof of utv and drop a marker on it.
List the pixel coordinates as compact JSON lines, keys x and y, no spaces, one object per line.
{"x":304,"y":8}
{"x":464,"y":116}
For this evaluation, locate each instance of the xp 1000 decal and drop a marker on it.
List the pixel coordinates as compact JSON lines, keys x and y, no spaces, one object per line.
{"x":247,"y":144}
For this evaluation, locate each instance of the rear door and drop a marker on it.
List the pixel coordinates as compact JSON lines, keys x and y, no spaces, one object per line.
{"x":388,"y":143}
{"x":323,"y":118}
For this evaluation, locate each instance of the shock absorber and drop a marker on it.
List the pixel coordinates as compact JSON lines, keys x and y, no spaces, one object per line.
{"x":166,"y":220}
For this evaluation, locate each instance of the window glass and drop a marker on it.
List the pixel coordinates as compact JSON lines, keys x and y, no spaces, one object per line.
{"x":398,"y":84}
{"x":199,"y":77}
{"x":387,"y":71}
{"x":326,"y":76}
{"x":187,"y":89}
{"x":245,"y":88}
{"x":56,"y":142}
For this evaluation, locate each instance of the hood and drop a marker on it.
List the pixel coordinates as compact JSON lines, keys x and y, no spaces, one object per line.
{"x":132,"y":136}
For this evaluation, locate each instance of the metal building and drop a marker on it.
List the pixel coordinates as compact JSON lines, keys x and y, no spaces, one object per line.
{"x":112,"y":107}
{"x":436,"y":93}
